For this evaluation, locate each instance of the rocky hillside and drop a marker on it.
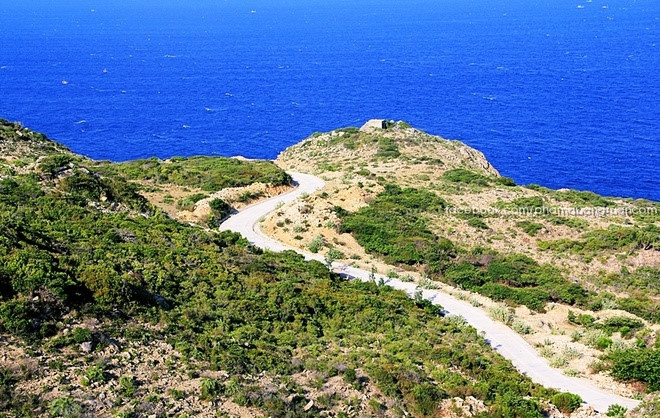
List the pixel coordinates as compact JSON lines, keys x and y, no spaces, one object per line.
{"x":109,"y":307}
{"x":381,"y":152}
{"x":574,"y":272}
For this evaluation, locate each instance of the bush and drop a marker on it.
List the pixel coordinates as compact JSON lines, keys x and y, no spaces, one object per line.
{"x":65,"y":407}
{"x":95,"y":373}
{"x":521,"y":327}
{"x":426,"y":398}
{"x":210,"y":389}
{"x":502,"y":314}
{"x":210,"y":174}
{"x":530,"y":228}
{"x":583,"y":199}
{"x":52,"y":163}
{"x":478,"y":223}
{"x":316,"y":244}
{"x":189,"y":202}
{"x":461,"y":175}
{"x":622,"y":324}
{"x":81,"y":335}
{"x":505,"y":181}
{"x":636,"y":364}
{"x":220,"y":208}
{"x":566,"y":402}
{"x":387,"y":148}
{"x":334,"y":254}
{"x":603,"y":343}
{"x":349,"y":375}
{"x":616,"y":411}
{"x":510,"y":405}
{"x":581,"y":319}
{"x":393,"y":225}
{"x":127,"y":385}
{"x":532,"y":205}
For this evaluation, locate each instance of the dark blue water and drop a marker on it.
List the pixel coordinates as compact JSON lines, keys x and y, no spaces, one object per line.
{"x":551,"y":93}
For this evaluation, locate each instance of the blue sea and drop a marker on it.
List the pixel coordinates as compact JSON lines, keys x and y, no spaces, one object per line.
{"x":563,"y":93}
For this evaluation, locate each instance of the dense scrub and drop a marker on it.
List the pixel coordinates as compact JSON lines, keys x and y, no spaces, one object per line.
{"x":461,"y":175}
{"x":392,"y":226}
{"x":629,"y":238}
{"x":85,"y":245}
{"x":395,"y":226}
{"x":207,"y":173}
{"x":636,"y":364}
{"x":576,"y":198}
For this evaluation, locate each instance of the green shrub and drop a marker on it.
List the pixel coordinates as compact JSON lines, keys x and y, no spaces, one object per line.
{"x":616,"y":411}
{"x":619,"y":237}
{"x":387,"y":148}
{"x":65,"y":407}
{"x":530,"y":228}
{"x":521,"y":327}
{"x":478,"y":223}
{"x":502,"y":314}
{"x":426,"y":398}
{"x":636,"y":364}
{"x":350,"y":376}
{"x":81,"y":335}
{"x":566,"y":402}
{"x":189,"y":202}
{"x":515,"y":406}
{"x":127,"y":385}
{"x":95,"y":373}
{"x":334,"y":254}
{"x":533,"y":204}
{"x":583,"y":199}
{"x":505,"y":181}
{"x":603,"y":343}
{"x":210,"y":174}
{"x":572,"y":222}
{"x":52,"y":163}
{"x":461,"y":175}
{"x":642,"y":306}
{"x":316,"y":244}
{"x":176,"y":394}
{"x":220,"y":208}
{"x":210,"y":389}
{"x":393,"y":225}
{"x":585,"y":320}
{"x":621,"y":324}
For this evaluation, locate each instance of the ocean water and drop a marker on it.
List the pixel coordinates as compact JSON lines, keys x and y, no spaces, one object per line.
{"x":563,"y":93}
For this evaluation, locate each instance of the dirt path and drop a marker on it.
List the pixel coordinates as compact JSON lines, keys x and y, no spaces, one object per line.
{"x":503,"y":339}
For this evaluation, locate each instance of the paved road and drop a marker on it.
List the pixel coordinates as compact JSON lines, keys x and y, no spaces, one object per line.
{"x":502,"y":338}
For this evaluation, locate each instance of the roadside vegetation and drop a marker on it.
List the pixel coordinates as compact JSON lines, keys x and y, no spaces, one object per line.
{"x":400,"y":234}
{"x":77,"y":245}
{"x":210,"y":174}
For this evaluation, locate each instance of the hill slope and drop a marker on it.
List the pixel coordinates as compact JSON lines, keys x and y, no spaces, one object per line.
{"x":576,"y":273}
{"x":109,"y":306}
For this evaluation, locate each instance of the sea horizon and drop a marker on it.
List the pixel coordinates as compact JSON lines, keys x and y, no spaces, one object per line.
{"x":552,"y":93}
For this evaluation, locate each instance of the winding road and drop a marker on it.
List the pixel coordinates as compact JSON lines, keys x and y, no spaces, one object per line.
{"x":502,"y":338}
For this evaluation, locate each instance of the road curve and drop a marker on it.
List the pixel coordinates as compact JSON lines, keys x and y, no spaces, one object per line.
{"x":502,"y":338}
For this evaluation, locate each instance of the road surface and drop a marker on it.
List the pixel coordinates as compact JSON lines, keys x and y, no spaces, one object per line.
{"x":502,"y":338}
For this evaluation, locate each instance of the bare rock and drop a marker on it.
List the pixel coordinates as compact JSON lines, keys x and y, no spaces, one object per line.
{"x":309,"y":406}
{"x":86,"y":347}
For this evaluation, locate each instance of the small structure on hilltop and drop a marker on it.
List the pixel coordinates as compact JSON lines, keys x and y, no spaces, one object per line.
{"x":374,"y":124}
